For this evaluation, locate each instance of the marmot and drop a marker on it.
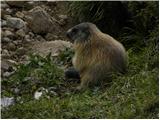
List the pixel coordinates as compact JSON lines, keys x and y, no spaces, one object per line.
{"x":97,"y":54}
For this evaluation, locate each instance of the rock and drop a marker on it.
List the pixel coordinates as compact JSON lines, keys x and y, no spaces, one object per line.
{"x":40,"y":38}
{"x":31,"y":34}
{"x":64,"y":17}
{"x":30,"y":4}
{"x":16,"y":42}
{"x":9,"y":11}
{"x":6,"y":16}
{"x":21,"y":51}
{"x":9,"y":34}
{"x":11,"y":46}
{"x":6,"y":40}
{"x":4,"y":6}
{"x":27,"y":37}
{"x":16,"y":3}
{"x":7,"y":101}
{"x":7,"y":65}
{"x":4,"y":66}
{"x":12,"y":62}
{"x":20,"y":33}
{"x":55,"y":47}
{"x":14,"y":22}
{"x":51,"y":37}
{"x":19,"y":14}
{"x":63,"y":20}
{"x":8,"y":74}
{"x":3,"y":23}
{"x":40,"y":21}
{"x":5,"y":53}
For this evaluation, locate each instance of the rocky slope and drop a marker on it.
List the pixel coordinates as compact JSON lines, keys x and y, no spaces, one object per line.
{"x":31,"y":27}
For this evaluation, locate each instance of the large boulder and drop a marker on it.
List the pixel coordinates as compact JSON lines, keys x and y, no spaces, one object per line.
{"x":40,"y":21}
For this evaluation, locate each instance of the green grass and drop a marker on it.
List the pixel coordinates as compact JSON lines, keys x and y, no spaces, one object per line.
{"x":133,"y":95}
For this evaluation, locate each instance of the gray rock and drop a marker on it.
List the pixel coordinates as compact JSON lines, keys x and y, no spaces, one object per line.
{"x":6,"y":40}
{"x":21,"y":51}
{"x":3,"y":23}
{"x":19,"y":14}
{"x":40,"y":21}
{"x":9,"y":34}
{"x":16,"y":42}
{"x":63,"y":20}
{"x":4,"y":66}
{"x":5,"y":54}
{"x":51,"y":37}
{"x":64,"y":17}
{"x":31,"y":34}
{"x":20,"y":33}
{"x":14,"y":22}
{"x":9,"y":11}
{"x":8,"y":74}
{"x":7,"y":101}
{"x":40,"y":38}
{"x":27,"y":37}
{"x":16,"y":3}
{"x":6,"y":16}
{"x":11,"y":46}
{"x":4,"y":6}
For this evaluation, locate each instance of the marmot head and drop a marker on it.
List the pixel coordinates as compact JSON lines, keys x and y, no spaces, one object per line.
{"x":80,"y":32}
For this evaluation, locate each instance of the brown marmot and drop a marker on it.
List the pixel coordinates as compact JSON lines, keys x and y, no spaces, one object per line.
{"x":97,"y":54}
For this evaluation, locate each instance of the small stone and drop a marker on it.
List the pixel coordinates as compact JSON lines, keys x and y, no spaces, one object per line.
{"x":16,"y":3}
{"x":11,"y":46}
{"x":4,"y":6}
{"x":6,"y":40}
{"x":15,"y":42}
{"x":51,"y":37}
{"x":6,"y":16}
{"x":7,"y":74}
{"x":31,"y":34}
{"x":4,"y":66}
{"x":40,"y":38}
{"x":27,"y":40}
{"x":19,"y":15}
{"x":21,"y":51}
{"x":27,"y":37}
{"x":15,"y":22}
{"x":8,"y":33}
{"x":12,"y":62}
{"x":6,"y":101}
{"x":63,"y":20}
{"x":3,"y":23}
{"x":20,"y":33}
{"x":64,"y":17}
{"x":9,"y":11}
{"x":5,"y":53}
